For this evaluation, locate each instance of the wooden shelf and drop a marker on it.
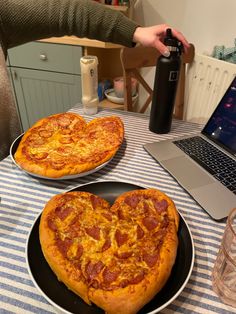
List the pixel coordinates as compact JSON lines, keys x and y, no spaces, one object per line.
{"x":84,"y":42}
{"x":105,"y":103}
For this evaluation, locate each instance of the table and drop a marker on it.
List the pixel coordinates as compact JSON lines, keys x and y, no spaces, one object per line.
{"x":23,"y":197}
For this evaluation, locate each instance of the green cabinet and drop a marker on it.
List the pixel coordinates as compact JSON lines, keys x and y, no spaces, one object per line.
{"x":46,"y":79}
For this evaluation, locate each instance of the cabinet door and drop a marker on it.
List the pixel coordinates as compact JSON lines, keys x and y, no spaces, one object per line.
{"x":42,"y":93}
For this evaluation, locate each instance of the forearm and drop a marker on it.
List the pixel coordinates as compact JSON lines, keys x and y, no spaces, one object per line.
{"x":26,"y":20}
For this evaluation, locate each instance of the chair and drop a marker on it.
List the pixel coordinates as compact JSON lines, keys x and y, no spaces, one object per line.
{"x":133,"y":59}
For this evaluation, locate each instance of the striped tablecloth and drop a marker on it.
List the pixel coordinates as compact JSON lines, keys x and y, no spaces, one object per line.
{"x":23,"y":197}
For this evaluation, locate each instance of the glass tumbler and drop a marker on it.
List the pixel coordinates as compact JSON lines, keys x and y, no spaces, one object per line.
{"x":224,"y":271}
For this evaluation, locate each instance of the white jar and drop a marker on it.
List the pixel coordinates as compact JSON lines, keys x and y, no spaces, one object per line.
{"x":89,"y":82}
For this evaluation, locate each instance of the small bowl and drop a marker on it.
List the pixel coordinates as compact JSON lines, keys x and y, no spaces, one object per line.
{"x":111,"y":96}
{"x":119,"y":86}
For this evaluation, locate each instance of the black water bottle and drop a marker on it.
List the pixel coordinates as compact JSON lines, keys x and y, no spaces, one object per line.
{"x":165,"y":86}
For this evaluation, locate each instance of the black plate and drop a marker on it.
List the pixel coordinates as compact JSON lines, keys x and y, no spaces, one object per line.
{"x":57,"y":293}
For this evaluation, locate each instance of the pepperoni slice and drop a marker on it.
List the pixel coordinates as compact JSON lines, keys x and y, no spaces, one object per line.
{"x":64,"y":121}
{"x":93,"y":232}
{"x":80,"y":251}
{"x":132,"y":201}
{"x":45,"y":133}
{"x":150,"y":222}
{"x":106,"y":245}
{"x":124,"y":255}
{"x":93,"y":269}
{"x":96,"y":157}
{"x":96,"y":201}
{"x":137,"y":279}
{"x":57,"y":164}
{"x":63,"y":212}
{"x":67,"y":198}
{"x":63,"y":246}
{"x":108,"y":216}
{"x":35,"y":141}
{"x":40,"y":156}
{"x":140,"y":232}
{"x":121,"y":214}
{"x":120,"y":237}
{"x":109,"y":276}
{"x":124,"y":283}
{"x":160,"y":233}
{"x":160,"y":206}
{"x":65,"y":150}
{"x":65,"y":131}
{"x":66,"y":140}
{"x":51,"y":224}
{"x":79,"y":126}
{"x":95,"y":284}
{"x":146,"y":207}
{"x":110,"y":126}
{"x":150,"y":259}
{"x":52,"y":125}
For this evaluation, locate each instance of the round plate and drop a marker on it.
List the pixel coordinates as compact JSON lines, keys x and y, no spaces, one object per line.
{"x":110,"y":94}
{"x":66,"y":301}
{"x":13,"y":149}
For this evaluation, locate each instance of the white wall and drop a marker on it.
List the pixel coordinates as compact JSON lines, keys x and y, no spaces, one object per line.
{"x":205,"y":23}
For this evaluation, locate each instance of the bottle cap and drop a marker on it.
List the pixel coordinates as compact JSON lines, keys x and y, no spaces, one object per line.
{"x":172,"y":41}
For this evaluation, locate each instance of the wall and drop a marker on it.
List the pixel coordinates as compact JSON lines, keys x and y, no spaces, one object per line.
{"x":205,"y":23}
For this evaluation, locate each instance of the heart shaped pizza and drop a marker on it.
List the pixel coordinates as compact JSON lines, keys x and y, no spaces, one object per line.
{"x":64,"y":144}
{"x":117,"y":257}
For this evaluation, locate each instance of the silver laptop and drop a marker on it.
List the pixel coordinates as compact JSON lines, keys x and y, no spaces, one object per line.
{"x":205,"y":163}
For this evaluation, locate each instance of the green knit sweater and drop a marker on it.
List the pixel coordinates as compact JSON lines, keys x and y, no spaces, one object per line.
{"x":23,"y":21}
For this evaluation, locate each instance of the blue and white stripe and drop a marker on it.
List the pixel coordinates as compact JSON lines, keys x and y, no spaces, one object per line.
{"x":23,"y":197}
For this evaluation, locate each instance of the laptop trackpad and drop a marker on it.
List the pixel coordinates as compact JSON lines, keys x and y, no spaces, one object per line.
{"x":187,"y":172}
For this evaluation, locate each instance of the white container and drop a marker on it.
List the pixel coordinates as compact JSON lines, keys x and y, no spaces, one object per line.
{"x":89,"y":81}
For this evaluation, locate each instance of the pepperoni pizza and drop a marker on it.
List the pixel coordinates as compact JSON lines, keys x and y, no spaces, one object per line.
{"x":64,"y":144}
{"x":117,"y":257}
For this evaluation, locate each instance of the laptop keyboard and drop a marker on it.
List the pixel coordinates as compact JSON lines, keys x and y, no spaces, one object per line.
{"x":221,"y":166}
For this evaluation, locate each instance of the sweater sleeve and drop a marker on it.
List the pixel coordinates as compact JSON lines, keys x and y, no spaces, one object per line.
{"x":22,"y":21}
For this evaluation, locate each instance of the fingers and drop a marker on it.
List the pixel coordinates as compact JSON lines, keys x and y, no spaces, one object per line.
{"x":160,"y":31}
{"x":154,"y":37}
{"x":162,"y":48}
{"x":181,"y":38}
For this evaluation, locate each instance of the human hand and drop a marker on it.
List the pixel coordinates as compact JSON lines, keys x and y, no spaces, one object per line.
{"x":153,"y":36}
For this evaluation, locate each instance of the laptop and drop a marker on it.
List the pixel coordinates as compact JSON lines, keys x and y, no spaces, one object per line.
{"x":204,"y":164}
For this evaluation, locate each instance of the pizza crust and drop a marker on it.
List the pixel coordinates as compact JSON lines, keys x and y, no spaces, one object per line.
{"x":64,"y":145}
{"x":113,"y":299}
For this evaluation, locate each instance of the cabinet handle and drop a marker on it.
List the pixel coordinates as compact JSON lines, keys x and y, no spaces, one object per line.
{"x":43,"y":57}
{"x":15,"y":75}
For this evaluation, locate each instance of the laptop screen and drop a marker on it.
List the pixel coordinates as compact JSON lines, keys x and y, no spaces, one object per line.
{"x":221,"y":127}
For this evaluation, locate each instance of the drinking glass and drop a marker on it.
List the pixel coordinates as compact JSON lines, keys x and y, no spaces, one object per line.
{"x":224,"y":271}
